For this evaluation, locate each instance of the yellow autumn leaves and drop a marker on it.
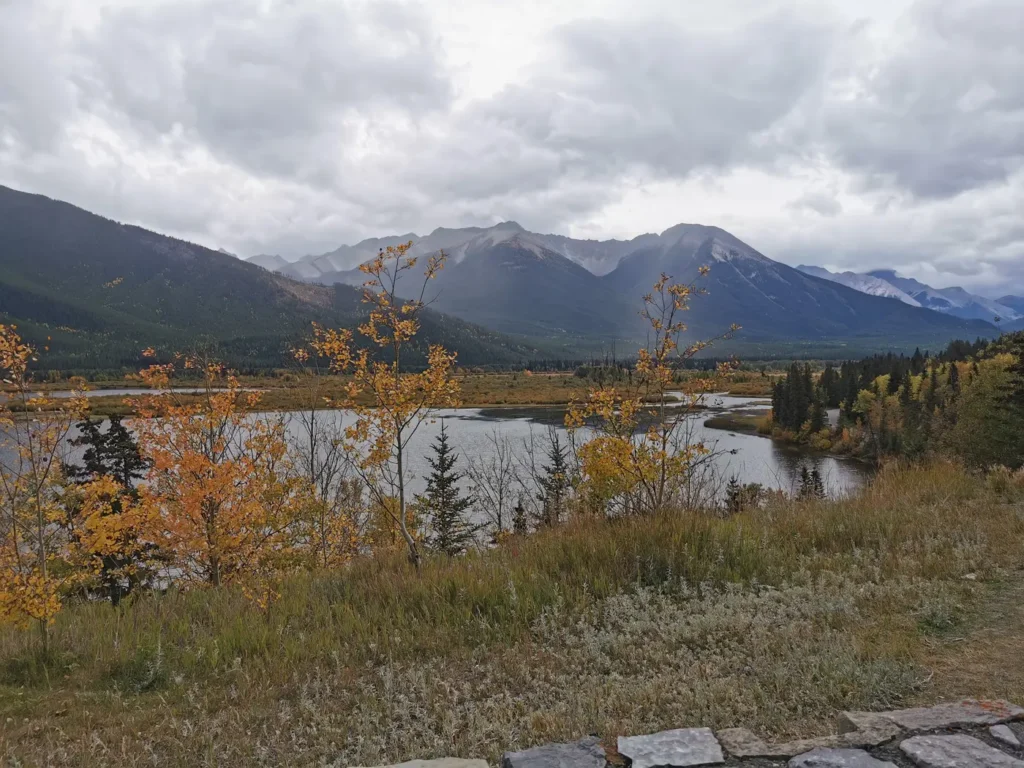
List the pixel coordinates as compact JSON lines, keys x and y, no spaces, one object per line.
{"x":41,"y":552}
{"x":639,"y":454}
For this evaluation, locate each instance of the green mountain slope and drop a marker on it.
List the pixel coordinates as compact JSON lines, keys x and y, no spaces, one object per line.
{"x":103,"y":291}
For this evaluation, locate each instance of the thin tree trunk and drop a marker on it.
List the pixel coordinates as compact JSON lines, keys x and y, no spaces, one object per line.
{"x":414,"y":554}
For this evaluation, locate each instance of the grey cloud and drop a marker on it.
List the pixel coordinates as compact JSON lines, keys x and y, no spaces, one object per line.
{"x":941,"y":242}
{"x":664,"y":97}
{"x":294,"y":127}
{"x":35,"y":100}
{"x":608,"y":100}
{"x":269,"y":87}
{"x":822,"y":203}
{"x":938,"y":111}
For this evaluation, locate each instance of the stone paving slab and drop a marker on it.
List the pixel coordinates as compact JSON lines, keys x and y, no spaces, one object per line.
{"x":838,"y":758}
{"x":951,"y":715}
{"x":956,"y":751}
{"x":585,"y":753}
{"x":740,"y":742}
{"x":678,"y":749}
{"x":963,"y":734}
{"x":1006,"y":735}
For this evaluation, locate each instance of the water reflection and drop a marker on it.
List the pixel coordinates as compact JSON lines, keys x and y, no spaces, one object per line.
{"x":750,"y":458}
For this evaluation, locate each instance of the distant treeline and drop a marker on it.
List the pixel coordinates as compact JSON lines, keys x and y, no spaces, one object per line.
{"x":967,"y":401}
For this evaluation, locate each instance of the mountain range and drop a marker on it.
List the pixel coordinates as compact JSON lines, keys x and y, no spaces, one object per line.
{"x":98,"y":292}
{"x":515,"y":281}
{"x":1007,"y":311}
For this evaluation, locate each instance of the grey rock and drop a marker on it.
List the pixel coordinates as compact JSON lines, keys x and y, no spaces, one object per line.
{"x":678,"y":748}
{"x":443,"y":762}
{"x":1004,"y":734}
{"x":956,"y":751}
{"x":740,"y":742}
{"x":585,"y":753}
{"x":838,"y":758}
{"x":872,"y":735}
{"x":960,"y":713}
{"x":849,"y":722}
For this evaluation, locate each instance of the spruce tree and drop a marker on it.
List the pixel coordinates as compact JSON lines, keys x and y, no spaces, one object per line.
{"x":954,"y":379}
{"x":733,"y":496}
{"x":554,"y":484}
{"x":116,"y":454}
{"x":818,"y":416}
{"x":112,"y":453}
{"x":520,"y":526}
{"x":811,"y":484}
{"x":444,"y":506}
{"x":906,"y":390}
{"x":932,"y":401}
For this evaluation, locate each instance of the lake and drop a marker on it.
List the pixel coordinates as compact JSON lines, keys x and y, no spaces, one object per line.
{"x":750,"y":458}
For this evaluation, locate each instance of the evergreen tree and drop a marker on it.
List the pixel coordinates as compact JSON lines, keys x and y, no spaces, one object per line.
{"x":818,"y":416}
{"x":806,"y":394}
{"x":112,"y":453}
{"x":554,"y":483}
{"x":830,"y":385}
{"x":850,"y":392}
{"x":895,"y":377}
{"x":917,"y":362}
{"x":906,"y":389}
{"x":811,"y":484}
{"x":116,"y":454}
{"x":520,"y":527}
{"x":954,"y":379}
{"x":932,"y":400}
{"x":443,"y":504}
{"x":733,"y":496}
{"x":805,"y":489}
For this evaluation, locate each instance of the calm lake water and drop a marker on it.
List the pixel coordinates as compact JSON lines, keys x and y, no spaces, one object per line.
{"x":751,"y":458}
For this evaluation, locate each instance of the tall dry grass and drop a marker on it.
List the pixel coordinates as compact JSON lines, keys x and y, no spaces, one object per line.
{"x":772,"y":618}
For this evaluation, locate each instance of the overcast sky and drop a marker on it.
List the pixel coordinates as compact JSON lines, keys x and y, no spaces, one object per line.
{"x":854,"y":134}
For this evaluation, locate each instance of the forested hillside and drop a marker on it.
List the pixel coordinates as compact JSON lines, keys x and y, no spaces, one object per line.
{"x":101,"y":292}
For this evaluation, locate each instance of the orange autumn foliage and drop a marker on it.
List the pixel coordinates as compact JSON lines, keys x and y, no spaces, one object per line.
{"x":223,"y":504}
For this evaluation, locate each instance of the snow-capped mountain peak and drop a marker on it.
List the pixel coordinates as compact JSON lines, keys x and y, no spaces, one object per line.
{"x":870,"y":284}
{"x":951,"y":301}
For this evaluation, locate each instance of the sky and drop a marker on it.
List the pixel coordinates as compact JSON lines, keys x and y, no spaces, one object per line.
{"x":851,"y":134}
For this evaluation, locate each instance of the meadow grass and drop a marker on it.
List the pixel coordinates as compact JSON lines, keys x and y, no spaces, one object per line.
{"x":772,"y":619}
{"x":287,"y":392}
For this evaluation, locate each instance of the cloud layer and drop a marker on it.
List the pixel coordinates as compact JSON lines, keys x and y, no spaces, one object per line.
{"x":839,"y":133}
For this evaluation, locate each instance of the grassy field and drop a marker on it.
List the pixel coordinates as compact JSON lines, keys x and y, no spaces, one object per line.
{"x":478,"y":389}
{"x":772,"y":619}
{"x":737,"y":421}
